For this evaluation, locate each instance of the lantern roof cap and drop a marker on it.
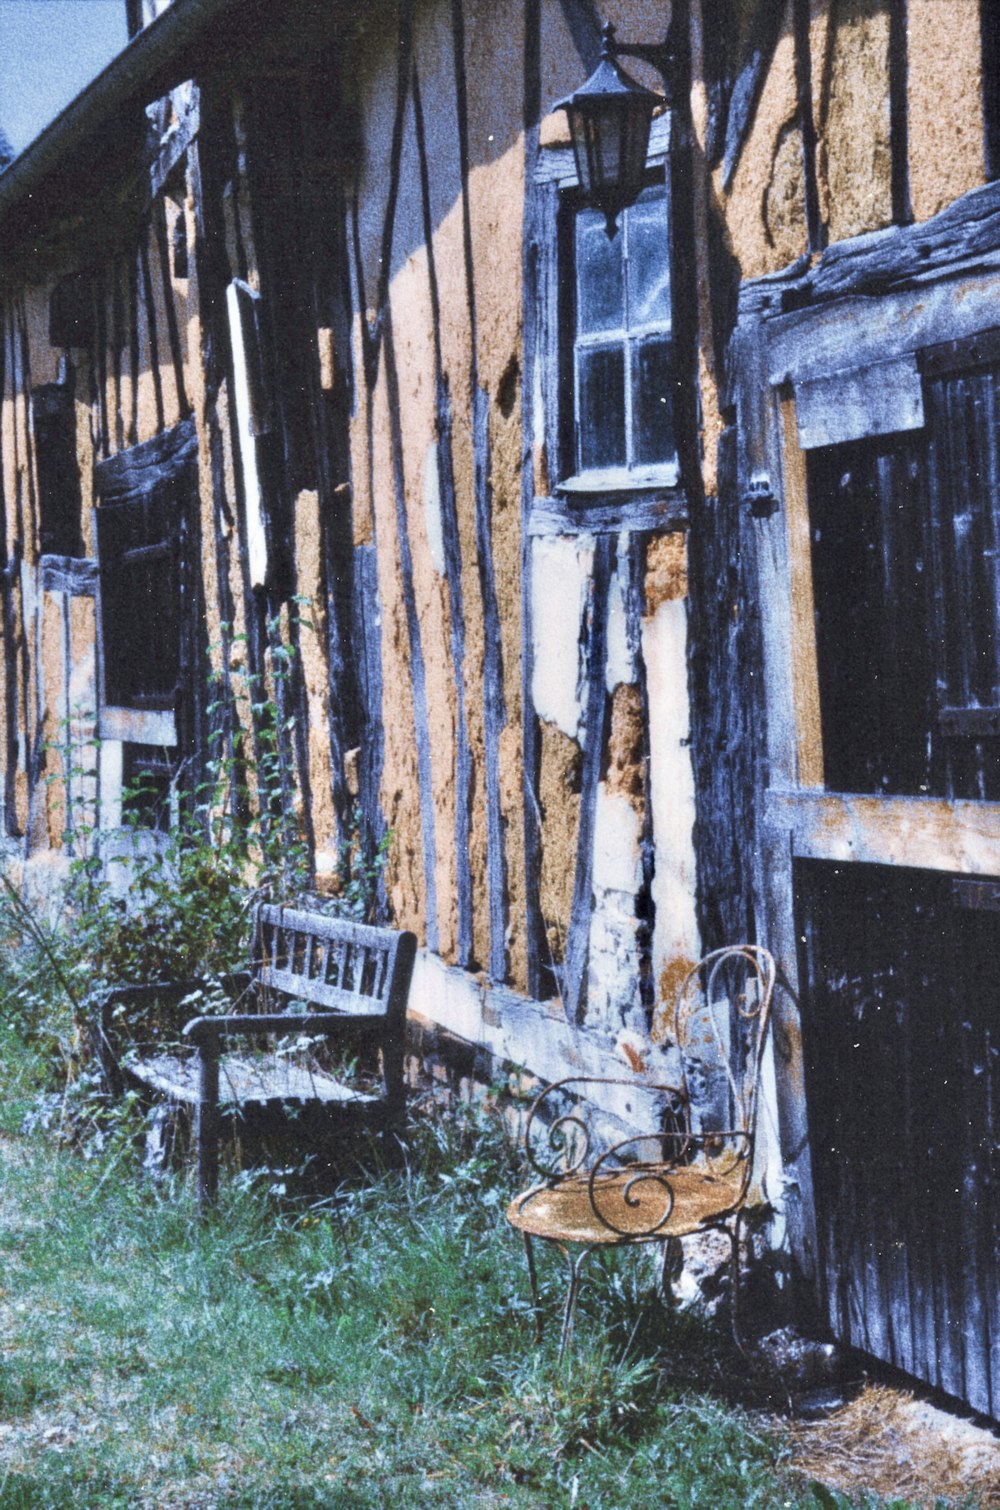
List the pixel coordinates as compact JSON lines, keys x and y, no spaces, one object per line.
{"x":609,"y":82}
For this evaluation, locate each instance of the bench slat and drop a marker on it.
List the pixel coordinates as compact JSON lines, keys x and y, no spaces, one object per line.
{"x":338,"y":929}
{"x":243,"y":1080}
{"x":291,"y":983}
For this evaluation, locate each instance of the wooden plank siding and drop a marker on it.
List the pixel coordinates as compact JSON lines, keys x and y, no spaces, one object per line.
{"x":903,"y":1070}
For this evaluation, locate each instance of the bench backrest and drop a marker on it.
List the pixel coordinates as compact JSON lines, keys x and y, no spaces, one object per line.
{"x":332,"y":963}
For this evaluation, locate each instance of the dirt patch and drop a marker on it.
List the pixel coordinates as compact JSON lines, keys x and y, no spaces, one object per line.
{"x":894,"y":1444}
{"x":666,"y":570}
{"x":626,"y":746}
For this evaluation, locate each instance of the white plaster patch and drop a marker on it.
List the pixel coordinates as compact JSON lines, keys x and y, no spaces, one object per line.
{"x":432,"y":507}
{"x":613,"y":985}
{"x":239,"y":300}
{"x":621,"y":661}
{"x":110,"y":782}
{"x":327,"y":861}
{"x":617,"y":835}
{"x":664,"y":644}
{"x":613,"y":976}
{"x":560,"y":579}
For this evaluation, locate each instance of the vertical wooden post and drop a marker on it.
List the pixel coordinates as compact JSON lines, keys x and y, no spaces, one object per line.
{"x":208,"y":1120}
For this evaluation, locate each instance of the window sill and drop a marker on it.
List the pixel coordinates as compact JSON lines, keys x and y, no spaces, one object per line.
{"x":140,"y":726}
{"x":621,"y":480}
{"x":607,"y":513}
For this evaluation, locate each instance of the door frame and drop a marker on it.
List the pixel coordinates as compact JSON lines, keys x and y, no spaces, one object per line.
{"x":874,"y":301}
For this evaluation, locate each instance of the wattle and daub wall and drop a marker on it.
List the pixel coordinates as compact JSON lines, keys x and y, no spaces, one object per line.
{"x":554,"y":716}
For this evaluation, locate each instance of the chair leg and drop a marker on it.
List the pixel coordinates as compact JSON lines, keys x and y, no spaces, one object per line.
{"x":574,"y":1265}
{"x":734,"y":1282}
{"x":669,"y":1262}
{"x":529,"y":1250}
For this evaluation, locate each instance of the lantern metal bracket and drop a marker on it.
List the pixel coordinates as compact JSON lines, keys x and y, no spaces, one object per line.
{"x":659,"y":55}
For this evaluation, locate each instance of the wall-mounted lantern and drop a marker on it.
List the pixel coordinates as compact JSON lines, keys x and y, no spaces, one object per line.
{"x":609,"y":120}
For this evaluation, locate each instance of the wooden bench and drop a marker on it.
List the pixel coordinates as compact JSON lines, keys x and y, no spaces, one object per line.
{"x":311,"y":975}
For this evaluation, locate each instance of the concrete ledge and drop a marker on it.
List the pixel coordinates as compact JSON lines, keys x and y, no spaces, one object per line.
{"x":504,"y":1030}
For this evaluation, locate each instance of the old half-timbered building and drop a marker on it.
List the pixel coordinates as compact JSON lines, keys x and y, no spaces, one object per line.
{"x":644,"y":589}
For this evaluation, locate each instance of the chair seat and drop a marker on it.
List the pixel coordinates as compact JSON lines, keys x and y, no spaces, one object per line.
{"x":565,"y":1212}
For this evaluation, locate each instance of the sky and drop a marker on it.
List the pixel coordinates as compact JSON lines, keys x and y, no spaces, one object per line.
{"x":49,"y":49}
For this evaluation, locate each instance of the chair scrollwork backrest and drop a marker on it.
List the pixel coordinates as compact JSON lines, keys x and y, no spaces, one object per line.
{"x":720,"y":1027}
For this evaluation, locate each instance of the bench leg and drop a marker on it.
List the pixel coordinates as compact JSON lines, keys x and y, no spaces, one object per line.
{"x":208,"y":1124}
{"x":161,"y":1138}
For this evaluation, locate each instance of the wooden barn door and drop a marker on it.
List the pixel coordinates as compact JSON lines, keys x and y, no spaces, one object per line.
{"x":882,"y":845}
{"x":902,"y":1031}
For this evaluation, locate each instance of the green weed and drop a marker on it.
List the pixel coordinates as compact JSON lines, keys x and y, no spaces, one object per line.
{"x":375,"y":1348}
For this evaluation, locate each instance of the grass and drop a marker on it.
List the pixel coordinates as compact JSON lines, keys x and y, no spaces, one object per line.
{"x":372,"y":1350}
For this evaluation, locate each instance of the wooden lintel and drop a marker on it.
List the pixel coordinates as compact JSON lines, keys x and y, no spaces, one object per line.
{"x":925,"y":832}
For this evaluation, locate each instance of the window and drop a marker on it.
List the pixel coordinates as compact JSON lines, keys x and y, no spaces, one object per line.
{"x":621,"y":365}
{"x":146,"y":588}
{"x":53,"y":420}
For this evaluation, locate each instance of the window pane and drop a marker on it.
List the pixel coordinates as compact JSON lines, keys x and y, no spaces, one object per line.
{"x":652,"y":401}
{"x":600,"y":300}
{"x":648,"y":260}
{"x":601,"y":413}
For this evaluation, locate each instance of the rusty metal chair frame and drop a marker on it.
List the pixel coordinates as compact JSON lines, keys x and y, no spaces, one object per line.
{"x":684,"y":1177}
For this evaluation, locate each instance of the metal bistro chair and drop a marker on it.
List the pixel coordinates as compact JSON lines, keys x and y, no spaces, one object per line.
{"x":693,"y":1171}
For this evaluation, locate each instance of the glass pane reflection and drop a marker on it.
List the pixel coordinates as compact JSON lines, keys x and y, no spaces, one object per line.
{"x":601,"y":411}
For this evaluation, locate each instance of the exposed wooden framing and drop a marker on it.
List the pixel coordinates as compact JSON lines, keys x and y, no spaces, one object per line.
{"x":531,"y":276}
{"x":173,"y":333}
{"x":367,"y":603}
{"x":204,"y":192}
{"x":805,"y":677}
{"x":989,"y":11}
{"x":132,"y":433}
{"x":902,"y":212}
{"x":452,"y":549}
{"x":366,"y":591}
{"x":101,"y":366}
{"x":962,"y":241}
{"x":724,"y":678}
{"x":801,"y":10}
{"x":34,"y":692}
{"x":10,"y":825}
{"x":117,"y":347}
{"x":494,"y":707}
{"x":578,"y":937}
{"x":421,"y":721}
{"x":325,"y":249}
{"x":172,"y":148}
{"x":154,"y":345}
{"x":367,"y":636}
{"x":635,"y":604}
{"x":494,"y":703}
{"x":584,"y":24}
{"x":765,"y":29}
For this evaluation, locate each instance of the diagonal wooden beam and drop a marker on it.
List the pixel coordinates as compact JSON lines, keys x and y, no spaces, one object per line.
{"x":765,"y":29}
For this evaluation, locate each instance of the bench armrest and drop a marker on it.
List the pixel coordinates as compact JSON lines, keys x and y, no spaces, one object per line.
{"x":203,"y":1030}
